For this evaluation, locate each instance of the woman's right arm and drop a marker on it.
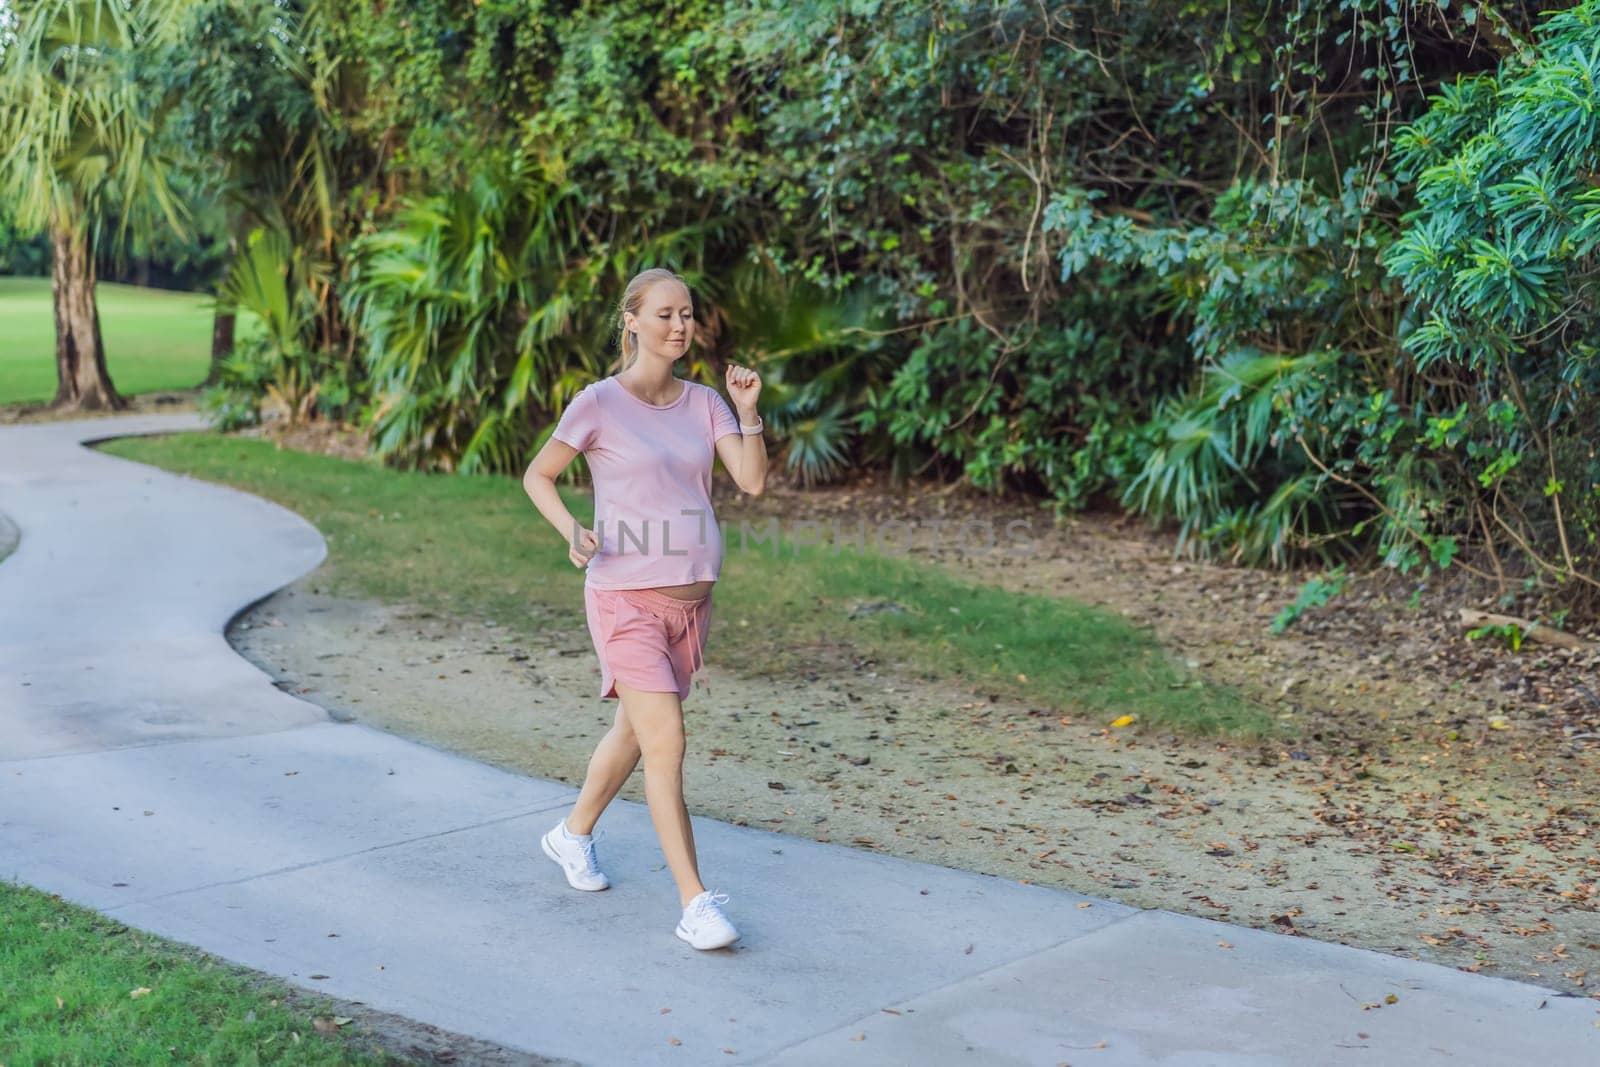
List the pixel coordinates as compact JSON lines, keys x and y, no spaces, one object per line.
{"x":540,"y":483}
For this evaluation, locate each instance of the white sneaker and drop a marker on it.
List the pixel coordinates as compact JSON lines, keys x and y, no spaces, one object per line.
{"x":703,"y":925}
{"x":576,"y":856}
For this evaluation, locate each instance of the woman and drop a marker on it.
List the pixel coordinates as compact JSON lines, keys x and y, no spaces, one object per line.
{"x":650,"y":562}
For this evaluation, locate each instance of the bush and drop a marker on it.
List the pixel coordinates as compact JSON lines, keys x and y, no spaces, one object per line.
{"x":1499,"y":264}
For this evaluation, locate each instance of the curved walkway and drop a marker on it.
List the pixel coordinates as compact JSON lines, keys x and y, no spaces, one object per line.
{"x":147,"y":771}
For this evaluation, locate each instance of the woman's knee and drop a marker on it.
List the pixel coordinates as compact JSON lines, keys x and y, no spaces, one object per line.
{"x":659,"y":735}
{"x":656,"y":719}
{"x":626,"y":741}
{"x":662,"y":746}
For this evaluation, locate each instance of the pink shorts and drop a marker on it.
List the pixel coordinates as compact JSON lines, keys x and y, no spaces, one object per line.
{"x":647,"y":639}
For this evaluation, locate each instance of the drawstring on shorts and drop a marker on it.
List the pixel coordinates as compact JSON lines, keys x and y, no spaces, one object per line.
{"x":687,"y":611}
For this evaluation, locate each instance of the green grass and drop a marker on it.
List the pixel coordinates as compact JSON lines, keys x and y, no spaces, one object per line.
{"x":66,"y":975}
{"x":477,"y":547}
{"x":156,"y":340}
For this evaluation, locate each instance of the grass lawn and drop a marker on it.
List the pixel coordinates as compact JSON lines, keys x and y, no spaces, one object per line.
{"x":477,"y":547}
{"x":68,"y":979}
{"x":155,"y":340}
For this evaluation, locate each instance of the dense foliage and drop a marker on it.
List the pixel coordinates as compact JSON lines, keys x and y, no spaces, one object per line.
{"x":21,"y":250}
{"x":1498,"y":262}
{"x":1311,"y":278}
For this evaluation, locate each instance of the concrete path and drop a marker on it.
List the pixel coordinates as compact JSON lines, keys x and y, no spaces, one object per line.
{"x":147,"y":771}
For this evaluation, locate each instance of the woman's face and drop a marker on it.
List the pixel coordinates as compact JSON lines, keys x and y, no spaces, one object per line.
{"x":665,"y":320}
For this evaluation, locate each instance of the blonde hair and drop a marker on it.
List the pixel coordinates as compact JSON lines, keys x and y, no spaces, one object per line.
{"x":632,"y":297}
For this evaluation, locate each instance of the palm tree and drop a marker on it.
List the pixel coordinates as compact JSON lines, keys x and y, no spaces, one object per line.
{"x":77,"y":135}
{"x":257,"y":87}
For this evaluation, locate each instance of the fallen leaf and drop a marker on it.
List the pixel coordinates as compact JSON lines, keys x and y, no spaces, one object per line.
{"x":142,"y":991}
{"x":1391,"y":999}
{"x":1124,"y":720}
{"x":673,"y":1041}
{"x":859,"y":1037}
{"x":1224,"y":944}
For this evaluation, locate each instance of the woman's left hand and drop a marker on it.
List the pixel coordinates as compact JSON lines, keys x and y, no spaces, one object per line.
{"x":744,"y":386}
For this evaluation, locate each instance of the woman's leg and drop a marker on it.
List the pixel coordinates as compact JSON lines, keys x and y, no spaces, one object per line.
{"x":613,"y":761}
{"x":657,"y":721}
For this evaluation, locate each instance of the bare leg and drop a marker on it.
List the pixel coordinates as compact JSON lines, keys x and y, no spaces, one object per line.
{"x":613,"y":761}
{"x":657,"y":720}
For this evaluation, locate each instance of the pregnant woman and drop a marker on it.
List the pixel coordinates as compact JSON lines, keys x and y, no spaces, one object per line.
{"x":651,"y":560}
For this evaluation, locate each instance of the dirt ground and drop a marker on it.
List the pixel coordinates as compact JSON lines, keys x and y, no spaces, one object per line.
{"x":143,"y":404}
{"x":1431,"y":796}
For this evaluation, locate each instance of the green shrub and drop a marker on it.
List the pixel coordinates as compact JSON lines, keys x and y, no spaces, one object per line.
{"x":1499,"y":264}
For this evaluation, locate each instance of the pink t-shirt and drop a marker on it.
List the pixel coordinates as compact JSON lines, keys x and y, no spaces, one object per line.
{"x":652,"y":482}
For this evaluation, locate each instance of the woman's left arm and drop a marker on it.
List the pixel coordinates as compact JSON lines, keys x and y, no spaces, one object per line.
{"x":745,"y":456}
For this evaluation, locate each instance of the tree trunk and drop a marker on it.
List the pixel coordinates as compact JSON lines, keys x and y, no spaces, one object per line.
{"x":81,"y":377}
{"x":222,"y":323}
{"x":221,"y":344}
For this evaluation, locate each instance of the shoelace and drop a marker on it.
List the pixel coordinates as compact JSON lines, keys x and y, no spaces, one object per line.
{"x":589,"y":860}
{"x":709,"y":904}
{"x":587,"y":845}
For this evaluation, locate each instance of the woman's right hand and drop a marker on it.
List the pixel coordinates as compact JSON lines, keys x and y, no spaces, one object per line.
{"x":582,"y":548}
